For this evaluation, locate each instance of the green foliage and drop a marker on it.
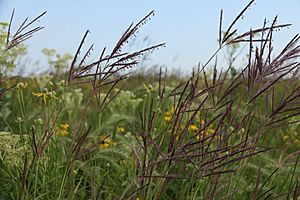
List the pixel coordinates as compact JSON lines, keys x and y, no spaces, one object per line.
{"x":111,"y":170}
{"x":13,"y":148}
{"x":58,"y":62}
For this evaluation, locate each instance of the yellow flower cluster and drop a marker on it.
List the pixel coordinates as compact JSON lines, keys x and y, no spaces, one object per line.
{"x":168,"y":115}
{"x":45,"y":95}
{"x":204,"y":134}
{"x":63,"y":130}
{"x":193,"y":128}
{"x":106,"y":142}
{"x":207,"y":133}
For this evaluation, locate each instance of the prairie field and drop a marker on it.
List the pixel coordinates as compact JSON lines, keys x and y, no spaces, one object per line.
{"x":107,"y":129}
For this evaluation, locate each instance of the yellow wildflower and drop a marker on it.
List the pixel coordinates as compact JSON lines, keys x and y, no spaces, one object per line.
{"x":106,"y":142}
{"x":168,"y":114}
{"x":193,"y":128}
{"x":167,"y":118}
{"x":104,"y":146}
{"x":63,"y":130}
{"x":120,"y":129}
{"x":40,"y":94}
{"x":45,"y":95}
{"x":65,"y":126}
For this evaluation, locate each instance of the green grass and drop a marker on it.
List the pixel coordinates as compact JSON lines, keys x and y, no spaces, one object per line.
{"x":112,"y":170}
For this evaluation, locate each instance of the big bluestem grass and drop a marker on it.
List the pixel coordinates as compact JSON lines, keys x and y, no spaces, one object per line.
{"x":170,"y":152}
{"x":101,"y":75}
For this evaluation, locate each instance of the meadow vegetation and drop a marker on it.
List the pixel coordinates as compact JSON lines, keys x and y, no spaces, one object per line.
{"x":94,"y":130}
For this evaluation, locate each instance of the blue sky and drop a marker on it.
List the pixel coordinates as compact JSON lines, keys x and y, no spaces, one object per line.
{"x":190,"y":28}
